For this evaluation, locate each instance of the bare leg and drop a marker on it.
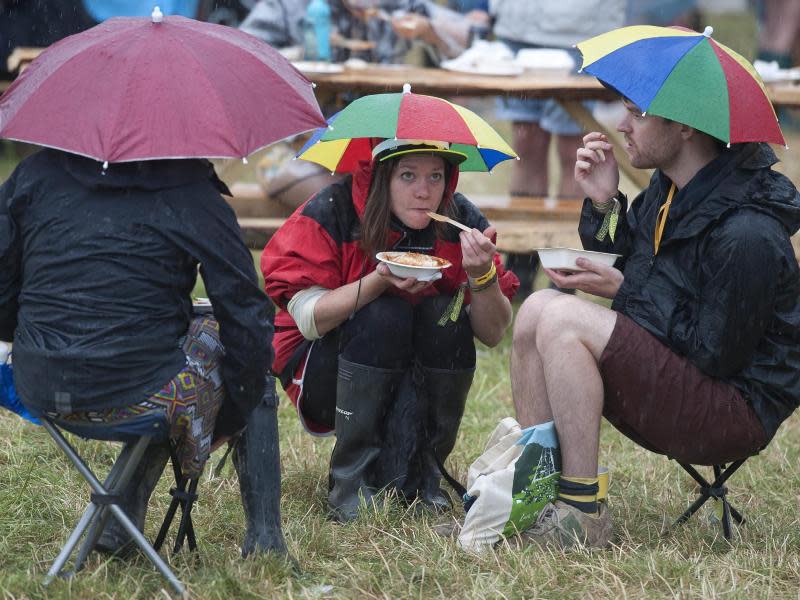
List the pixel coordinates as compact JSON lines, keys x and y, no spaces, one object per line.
{"x":529,"y":174}
{"x":567,"y":145}
{"x":571,"y":334}
{"x":527,"y":378}
{"x":781,"y":23}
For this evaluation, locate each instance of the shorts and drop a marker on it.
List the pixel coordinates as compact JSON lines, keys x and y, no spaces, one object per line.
{"x":664,"y":403}
{"x":547,"y":112}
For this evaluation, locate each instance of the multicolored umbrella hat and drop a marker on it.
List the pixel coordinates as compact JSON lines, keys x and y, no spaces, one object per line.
{"x":685,"y":76}
{"x":352,"y":132}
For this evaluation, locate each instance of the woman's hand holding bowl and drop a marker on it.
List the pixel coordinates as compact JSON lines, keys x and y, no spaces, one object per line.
{"x":409,"y":284}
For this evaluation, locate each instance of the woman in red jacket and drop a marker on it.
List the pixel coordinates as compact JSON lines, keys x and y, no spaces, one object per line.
{"x":385,"y":362}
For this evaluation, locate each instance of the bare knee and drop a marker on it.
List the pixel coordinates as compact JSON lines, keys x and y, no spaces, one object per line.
{"x":559,"y":321}
{"x":527,"y":320}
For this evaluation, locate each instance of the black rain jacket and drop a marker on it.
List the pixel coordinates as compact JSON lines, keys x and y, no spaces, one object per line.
{"x":724,"y":288}
{"x":96,"y":274}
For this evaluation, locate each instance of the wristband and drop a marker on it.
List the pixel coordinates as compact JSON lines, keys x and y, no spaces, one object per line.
{"x":479,"y":281}
{"x":604,"y":207}
{"x":485,"y":285}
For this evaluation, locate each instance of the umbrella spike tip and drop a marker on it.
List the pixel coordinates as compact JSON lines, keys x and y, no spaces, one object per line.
{"x":313,"y":85}
{"x":406,"y":88}
{"x":728,"y":145}
{"x":105,"y":166}
{"x":244,"y":160}
{"x":708,"y":31}
{"x":157,"y":16}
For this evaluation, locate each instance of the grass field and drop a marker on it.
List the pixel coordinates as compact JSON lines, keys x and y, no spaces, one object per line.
{"x":391,"y":553}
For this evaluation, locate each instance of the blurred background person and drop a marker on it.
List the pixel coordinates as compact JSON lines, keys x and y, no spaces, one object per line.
{"x":380,"y":31}
{"x":546,"y":24}
{"x":780,"y":23}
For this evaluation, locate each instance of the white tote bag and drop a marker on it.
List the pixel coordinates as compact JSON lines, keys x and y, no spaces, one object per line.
{"x":510,"y":483}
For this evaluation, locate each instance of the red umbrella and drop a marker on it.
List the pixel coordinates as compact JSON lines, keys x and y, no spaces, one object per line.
{"x":138,"y":88}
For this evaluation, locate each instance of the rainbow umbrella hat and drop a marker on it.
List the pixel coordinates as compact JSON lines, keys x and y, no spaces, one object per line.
{"x":352,"y":132}
{"x":685,"y":76}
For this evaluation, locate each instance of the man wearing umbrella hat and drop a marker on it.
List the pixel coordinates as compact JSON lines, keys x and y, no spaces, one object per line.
{"x":699,"y":355}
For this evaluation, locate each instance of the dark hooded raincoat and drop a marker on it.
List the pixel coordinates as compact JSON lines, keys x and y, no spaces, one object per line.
{"x":724,"y":288}
{"x":96,"y":274}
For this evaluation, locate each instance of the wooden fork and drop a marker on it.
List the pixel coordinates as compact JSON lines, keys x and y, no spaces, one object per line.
{"x":443,"y":219}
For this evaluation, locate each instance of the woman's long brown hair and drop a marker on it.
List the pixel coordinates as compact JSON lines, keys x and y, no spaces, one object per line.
{"x":378,"y":213}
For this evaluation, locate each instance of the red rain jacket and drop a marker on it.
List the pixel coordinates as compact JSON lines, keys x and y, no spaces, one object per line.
{"x":318,"y":245}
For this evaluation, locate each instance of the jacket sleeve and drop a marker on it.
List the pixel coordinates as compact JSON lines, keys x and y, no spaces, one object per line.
{"x":10,"y":262}
{"x":208,"y":230}
{"x":741,"y":266}
{"x":591,"y":221}
{"x":300,"y":255}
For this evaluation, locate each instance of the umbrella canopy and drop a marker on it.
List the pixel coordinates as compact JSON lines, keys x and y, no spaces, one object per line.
{"x":687,"y":77}
{"x":141,"y":88}
{"x":352,"y":132}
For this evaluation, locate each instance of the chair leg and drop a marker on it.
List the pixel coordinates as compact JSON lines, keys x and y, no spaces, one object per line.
{"x":114,"y":483}
{"x":92,"y":511}
{"x":716,"y":490}
{"x":185,"y":499}
{"x":100,"y":495}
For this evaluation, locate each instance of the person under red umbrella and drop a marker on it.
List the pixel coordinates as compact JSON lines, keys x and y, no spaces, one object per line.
{"x":103,"y":232}
{"x":372,"y":356}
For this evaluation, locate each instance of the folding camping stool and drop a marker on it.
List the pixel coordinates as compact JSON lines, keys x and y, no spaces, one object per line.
{"x":138,"y":432}
{"x":717,"y":490}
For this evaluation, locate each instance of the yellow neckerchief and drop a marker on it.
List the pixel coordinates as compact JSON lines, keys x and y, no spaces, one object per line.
{"x":661,"y":217}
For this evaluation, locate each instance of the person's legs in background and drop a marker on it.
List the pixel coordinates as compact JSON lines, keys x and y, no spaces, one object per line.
{"x":535,"y":123}
{"x":529,"y":175}
{"x":779,"y":28}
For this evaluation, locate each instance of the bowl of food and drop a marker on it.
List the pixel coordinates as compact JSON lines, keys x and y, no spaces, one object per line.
{"x":563,"y":259}
{"x":423,"y":267}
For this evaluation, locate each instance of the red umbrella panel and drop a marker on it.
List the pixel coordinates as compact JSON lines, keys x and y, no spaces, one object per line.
{"x":137,"y":88}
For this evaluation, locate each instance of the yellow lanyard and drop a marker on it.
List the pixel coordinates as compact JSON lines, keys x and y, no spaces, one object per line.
{"x":661,"y":218}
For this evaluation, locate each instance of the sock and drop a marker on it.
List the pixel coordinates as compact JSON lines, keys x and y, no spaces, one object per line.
{"x":580,"y":492}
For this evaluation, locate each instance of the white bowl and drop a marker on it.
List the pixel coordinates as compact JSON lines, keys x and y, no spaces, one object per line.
{"x":564,"y":258}
{"x":402,"y":270}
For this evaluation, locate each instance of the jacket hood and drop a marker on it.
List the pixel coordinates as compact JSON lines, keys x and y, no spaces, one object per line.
{"x":148,"y":175}
{"x":726,"y":184}
{"x":362,"y":178}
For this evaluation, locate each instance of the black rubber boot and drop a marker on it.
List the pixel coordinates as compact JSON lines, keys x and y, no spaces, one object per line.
{"x":363,"y":394}
{"x":115,"y":539}
{"x":443,"y":395}
{"x":256,"y":458}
